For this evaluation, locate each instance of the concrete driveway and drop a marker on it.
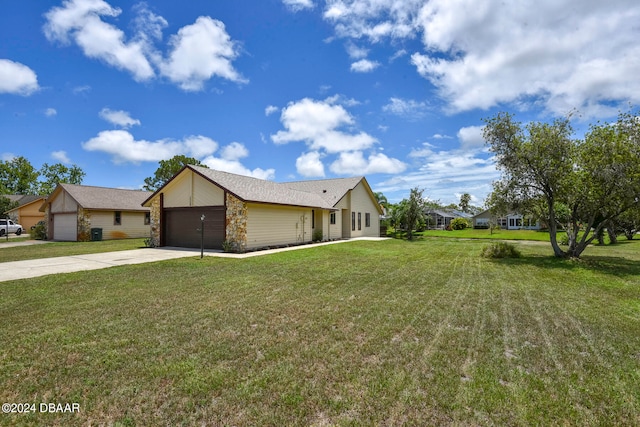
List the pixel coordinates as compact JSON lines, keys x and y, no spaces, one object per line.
{"x":15,"y":270}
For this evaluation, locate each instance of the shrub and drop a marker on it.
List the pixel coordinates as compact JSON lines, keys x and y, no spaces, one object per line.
{"x":500,"y":250}
{"x":317,"y":236}
{"x":459,"y":224}
{"x":39,"y":231}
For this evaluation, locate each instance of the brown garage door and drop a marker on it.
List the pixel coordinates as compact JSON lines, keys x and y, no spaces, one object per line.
{"x":182,"y":227}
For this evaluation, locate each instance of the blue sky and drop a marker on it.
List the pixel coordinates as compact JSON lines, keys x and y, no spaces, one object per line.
{"x":304,"y":89}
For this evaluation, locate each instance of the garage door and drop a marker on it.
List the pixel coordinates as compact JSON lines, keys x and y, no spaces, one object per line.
{"x":65,"y":227}
{"x":182,"y":227}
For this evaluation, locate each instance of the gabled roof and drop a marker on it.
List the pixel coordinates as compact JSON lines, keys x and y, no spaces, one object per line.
{"x":22,"y":199}
{"x":103,"y":198}
{"x":251,"y":189}
{"x":27,"y":200}
{"x":323,"y":194}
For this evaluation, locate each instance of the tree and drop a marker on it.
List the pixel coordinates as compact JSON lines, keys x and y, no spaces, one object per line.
{"x":629,"y":223}
{"x":17,"y":176}
{"x":52,"y":175}
{"x":409,"y":212}
{"x":596,"y":179}
{"x":6,"y":205}
{"x":167,"y":169}
{"x":465,"y":199}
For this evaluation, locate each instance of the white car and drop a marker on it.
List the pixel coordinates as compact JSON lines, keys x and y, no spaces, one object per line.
{"x":11,"y":226}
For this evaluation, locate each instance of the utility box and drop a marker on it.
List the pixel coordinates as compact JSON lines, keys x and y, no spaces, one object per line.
{"x":96,"y":234}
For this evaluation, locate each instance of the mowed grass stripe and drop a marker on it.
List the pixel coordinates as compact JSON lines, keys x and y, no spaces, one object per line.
{"x":362,"y":333}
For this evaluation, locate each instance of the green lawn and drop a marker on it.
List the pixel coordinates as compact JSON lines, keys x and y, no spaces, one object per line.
{"x":55,"y":249}
{"x":471,"y":233}
{"x":358,"y":333}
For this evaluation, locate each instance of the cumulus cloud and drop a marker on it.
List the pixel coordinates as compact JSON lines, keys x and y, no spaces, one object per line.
{"x":123,"y":147}
{"x":297,"y":5}
{"x":320,"y":125}
{"x":50,"y":112}
{"x":228,"y":161}
{"x":354,"y":163}
{"x":17,"y":78}
{"x":364,"y":66}
{"x":496,"y":53}
{"x":200,"y":51}
{"x":309,"y":165}
{"x":196,"y":53}
{"x":80,"y":21}
{"x":118,"y":118}
{"x":61,"y":156}
{"x":471,"y":137}
{"x":234,"y":151}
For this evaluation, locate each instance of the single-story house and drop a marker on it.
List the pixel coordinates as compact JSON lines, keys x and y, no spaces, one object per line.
{"x":441,"y":218}
{"x":512,"y":221}
{"x":27,"y":213}
{"x":240,"y":213}
{"x":72,"y":211}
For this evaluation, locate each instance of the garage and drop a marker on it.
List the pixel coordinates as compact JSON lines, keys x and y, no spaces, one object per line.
{"x":182,"y":227}
{"x":65,"y":227}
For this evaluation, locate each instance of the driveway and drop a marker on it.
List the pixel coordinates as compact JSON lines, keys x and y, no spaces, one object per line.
{"x":15,"y":270}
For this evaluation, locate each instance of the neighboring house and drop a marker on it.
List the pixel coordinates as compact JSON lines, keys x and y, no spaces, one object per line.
{"x":72,"y":211}
{"x":248,"y":213}
{"x":441,"y":218}
{"x":27,"y":213}
{"x":512,"y":221}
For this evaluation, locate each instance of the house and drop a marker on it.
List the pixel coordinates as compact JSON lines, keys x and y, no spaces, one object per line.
{"x":27,"y":213}
{"x":205,"y":206}
{"x":512,"y":221}
{"x":72,"y":211}
{"x":441,"y":218}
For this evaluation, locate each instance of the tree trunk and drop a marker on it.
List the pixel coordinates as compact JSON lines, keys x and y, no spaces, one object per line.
{"x":611,"y":231}
{"x":553,"y":231}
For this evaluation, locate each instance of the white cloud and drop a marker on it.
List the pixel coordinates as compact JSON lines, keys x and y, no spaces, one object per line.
{"x":17,"y":78}
{"x":471,"y":137}
{"x":196,"y":53}
{"x":319,"y":124}
{"x":200,"y":51}
{"x":80,"y":21}
{"x":408,"y":108}
{"x":356,"y":52}
{"x":118,"y":118}
{"x":297,"y":5}
{"x":497,"y":53}
{"x":234,"y":151}
{"x":234,"y":166}
{"x":309,"y":165}
{"x":364,"y":66}
{"x":270,"y":110}
{"x":61,"y":156}
{"x":354,"y":163}
{"x":123,"y":147}
{"x":50,"y":112}
{"x":81,"y":89}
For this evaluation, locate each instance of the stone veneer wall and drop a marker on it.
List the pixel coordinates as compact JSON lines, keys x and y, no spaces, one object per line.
{"x":84,"y":225}
{"x":236,"y":224}
{"x":155,"y":223}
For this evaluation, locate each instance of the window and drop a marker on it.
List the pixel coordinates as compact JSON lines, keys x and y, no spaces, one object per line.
{"x":313,"y":219}
{"x":147,"y":218}
{"x":359,"y":221}
{"x":332,"y":218}
{"x":353,"y":221}
{"x":367,"y":219}
{"x":117,"y":218}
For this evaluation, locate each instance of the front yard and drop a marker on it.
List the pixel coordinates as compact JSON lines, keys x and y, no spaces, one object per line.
{"x":358,"y":333}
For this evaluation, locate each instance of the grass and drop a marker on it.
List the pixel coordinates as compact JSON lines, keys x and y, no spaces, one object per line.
{"x":56,"y":249}
{"x":470,"y":233}
{"x":359,"y":333}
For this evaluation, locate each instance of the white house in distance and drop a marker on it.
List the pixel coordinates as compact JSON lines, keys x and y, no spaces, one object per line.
{"x":248,"y":213}
{"x":72,"y":211}
{"x":512,"y":221}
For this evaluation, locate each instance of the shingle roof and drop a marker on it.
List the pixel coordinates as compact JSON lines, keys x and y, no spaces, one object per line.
{"x":113,"y":199}
{"x":262,"y":191}
{"x":331,"y":190}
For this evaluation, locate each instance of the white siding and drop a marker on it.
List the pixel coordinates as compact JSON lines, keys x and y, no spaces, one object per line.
{"x":361,"y":202}
{"x":190,"y":189}
{"x":132,"y":225}
{"x":277,"y":225}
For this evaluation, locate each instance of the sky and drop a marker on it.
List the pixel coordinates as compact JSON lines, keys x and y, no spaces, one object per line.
{"x":289,"y":90}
